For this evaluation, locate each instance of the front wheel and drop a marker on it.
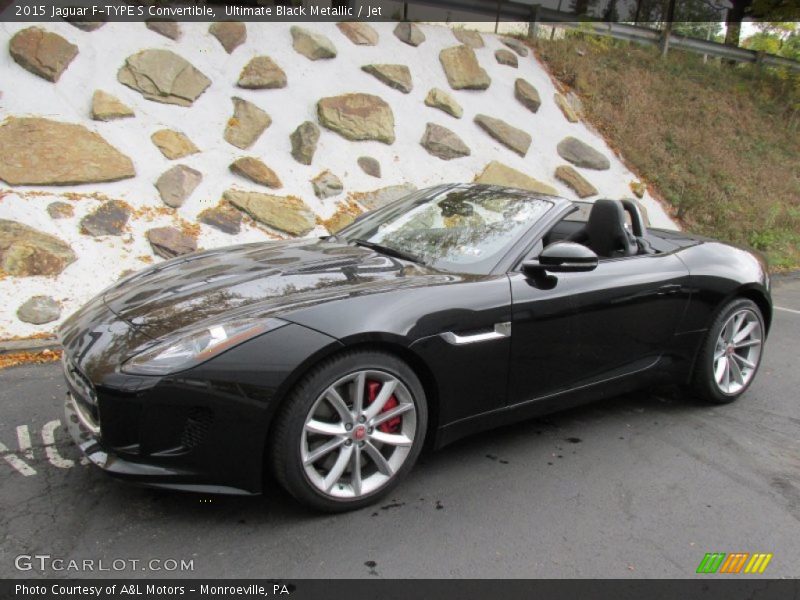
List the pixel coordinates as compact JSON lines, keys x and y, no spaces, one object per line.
{"x":731,"y":352}
{"x":350,"y":430}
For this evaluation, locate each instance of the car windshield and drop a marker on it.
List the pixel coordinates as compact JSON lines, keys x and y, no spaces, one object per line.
{"x":463,"y":229}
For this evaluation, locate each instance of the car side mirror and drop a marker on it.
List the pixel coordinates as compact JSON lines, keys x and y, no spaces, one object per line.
{"x":562,"y":257}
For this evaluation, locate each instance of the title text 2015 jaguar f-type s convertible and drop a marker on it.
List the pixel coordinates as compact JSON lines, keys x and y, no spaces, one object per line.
{"x":458,"y":308}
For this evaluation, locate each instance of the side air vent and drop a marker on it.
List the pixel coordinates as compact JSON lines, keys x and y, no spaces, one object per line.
{"x":197,"y":425}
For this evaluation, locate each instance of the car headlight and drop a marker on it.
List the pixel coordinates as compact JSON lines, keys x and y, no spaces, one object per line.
{"x":196,"y":347}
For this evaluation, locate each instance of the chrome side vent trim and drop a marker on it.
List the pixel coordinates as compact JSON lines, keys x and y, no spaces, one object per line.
{"x":501,"y":330}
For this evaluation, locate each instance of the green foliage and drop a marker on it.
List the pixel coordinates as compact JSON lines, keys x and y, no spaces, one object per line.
{"x":719,"y":145}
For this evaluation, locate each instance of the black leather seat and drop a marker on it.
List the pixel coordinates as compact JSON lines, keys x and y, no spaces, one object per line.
{"x":606,"y":231}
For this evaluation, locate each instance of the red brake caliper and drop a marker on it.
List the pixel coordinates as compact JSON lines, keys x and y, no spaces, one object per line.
{"x":393,"y":424}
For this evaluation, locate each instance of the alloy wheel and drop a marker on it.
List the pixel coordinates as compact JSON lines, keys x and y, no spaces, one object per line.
{"x":738,"y":351}
{"x":358,"y":433}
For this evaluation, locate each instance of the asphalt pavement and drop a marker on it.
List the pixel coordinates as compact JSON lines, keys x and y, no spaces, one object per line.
{"x":640,"y":486}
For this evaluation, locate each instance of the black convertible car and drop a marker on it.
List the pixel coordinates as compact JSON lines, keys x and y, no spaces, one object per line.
{"x":453,"y":310}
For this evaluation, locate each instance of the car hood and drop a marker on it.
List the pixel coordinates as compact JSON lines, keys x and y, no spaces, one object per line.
{"x":264,"y":279}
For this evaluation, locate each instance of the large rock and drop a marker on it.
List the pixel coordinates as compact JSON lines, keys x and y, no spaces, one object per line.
{"x":358,"y":117}
{"x":359,"y":33}
{"x":231,"y":34}
{"x":383,"y":196}
{"x":261,"y":73}
{"x":516,"y":45}
{"x":36,"y":151}
{"x":163,"y":76}
{"x":24,"y":251}
{"x":345,"y":214}
{"x":326,"y":184}
{"x":176,"y":184}
{"x":395,"y":76}
{"x":223,"y":217}
{"x":527,"y":95}
{"x":409,"y":33}
{"x":469,"y":37}
{"x":256,"y":171}
{"x":110,"y":218}
{"x":304,"y":142}
{"x":106,"y":107}
{"x":576,"y":181}
{"x":246,"y":125}
{"x":581,"y":154}
{"x":496,"y":173}
{"x":284,"y":213}
{"x":60,"y":210}
{"x":506,"y":57}
{"x":169,"y":242}
{"x":173,"y":144}
{"x":41,"y":52}
{"x":565,"y":107}
{"x":442,"y":142}
{"x":39,"y":310}
{"x":440,"y":99}
{"x":370,"y":166}
{"x":312,"y":45}
{"x":165,"y":27}
{"x":462,"y":69}
{"x":517,"y":140}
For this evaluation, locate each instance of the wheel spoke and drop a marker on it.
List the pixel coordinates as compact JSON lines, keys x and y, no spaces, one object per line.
{"x":380,"y":461}
{"x":391,"y":414}
{"x":393,"y":439}
{"x":726,"y":374}
{"x":358,"y":393}
{"x":736,"y":372}
{"x":323,"y":449}
{"x":743,"y":361}
{"x":355,"y":471}
{"x":747,"y":344}
{"x":387,"y":389}
{"x":338,"y":467}
{"x":744,"y":332}
{"x":720,"y":368}
{"x":323,"y":428}
{"x":340,"y":406}
{"x":738,"y":320}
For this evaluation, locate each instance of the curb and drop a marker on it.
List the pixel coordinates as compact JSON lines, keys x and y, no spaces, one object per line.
{"x":29,"y":345}
{"x":785,"y":276}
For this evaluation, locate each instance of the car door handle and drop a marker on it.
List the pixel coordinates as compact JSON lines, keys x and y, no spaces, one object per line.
{"x":672,"y":288}
{"x":501,"y":330}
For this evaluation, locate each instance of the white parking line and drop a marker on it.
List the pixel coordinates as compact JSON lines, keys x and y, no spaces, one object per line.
{"x":16,"y":462}
{"x":49,"y":439}
{"x":17,"y":459}
{"x":24,"y":441}
{"x":791,"y":310}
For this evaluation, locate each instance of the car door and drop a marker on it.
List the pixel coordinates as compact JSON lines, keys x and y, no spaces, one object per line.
{"x":574,"y":329}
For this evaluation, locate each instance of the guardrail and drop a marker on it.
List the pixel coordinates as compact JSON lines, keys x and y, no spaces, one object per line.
{"x":541,"y":16}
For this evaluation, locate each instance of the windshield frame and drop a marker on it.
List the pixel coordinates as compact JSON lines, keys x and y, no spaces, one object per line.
{"x":372,"y":219}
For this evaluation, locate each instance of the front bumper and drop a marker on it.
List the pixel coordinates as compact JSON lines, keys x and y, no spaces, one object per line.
{"x":86,"y":435}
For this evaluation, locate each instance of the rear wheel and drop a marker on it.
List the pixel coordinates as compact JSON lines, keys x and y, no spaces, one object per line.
{"x":351,"y":429}
{"x":731,"y":352}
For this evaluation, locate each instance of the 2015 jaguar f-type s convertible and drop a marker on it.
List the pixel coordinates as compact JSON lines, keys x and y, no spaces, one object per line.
{"x":458,"y":308}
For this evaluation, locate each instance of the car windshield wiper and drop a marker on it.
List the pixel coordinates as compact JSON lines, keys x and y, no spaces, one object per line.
{"x":389,"y":251}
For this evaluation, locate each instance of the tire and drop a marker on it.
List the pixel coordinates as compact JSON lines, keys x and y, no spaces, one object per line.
{"x":715,"y":379}
{"x":319,"y":423}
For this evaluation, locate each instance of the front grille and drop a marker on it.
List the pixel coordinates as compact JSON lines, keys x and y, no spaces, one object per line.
{"x":197,"y":425}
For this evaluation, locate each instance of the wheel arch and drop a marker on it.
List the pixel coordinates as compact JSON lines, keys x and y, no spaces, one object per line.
{"x":761,"y":300}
